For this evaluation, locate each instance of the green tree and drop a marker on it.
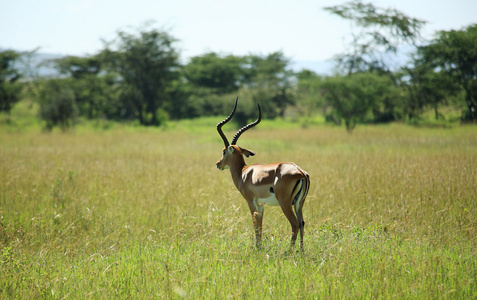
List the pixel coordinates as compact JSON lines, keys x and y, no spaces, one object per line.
{"x":78,"y":67}
{"x":380,"y":33}
{"x":146,"y":64}
{"x":428,"y":87}
{"x":455,"y":53}
{"x":353,"y":97}
{"x":94,"y":92}
{"x":220,"y":74}
{"x":211,"y":80}
{"x":271,"y":82}
{"x":309,"y":96}
{"x":9,"y":75}
{"x":57,"y":104}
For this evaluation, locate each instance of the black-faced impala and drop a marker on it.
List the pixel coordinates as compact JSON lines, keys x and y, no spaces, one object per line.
{"x":282,"y":183}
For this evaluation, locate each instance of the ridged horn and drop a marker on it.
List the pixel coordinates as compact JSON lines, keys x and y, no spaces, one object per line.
{"x":247,"y":127}
{"x":219,"y":126}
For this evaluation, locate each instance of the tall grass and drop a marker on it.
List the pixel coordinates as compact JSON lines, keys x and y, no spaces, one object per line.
{"x":144,"y":213}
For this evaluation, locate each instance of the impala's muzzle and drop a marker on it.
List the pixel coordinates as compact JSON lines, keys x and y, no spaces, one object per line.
{"x":220,"y":165}
{"x":217,"y":164}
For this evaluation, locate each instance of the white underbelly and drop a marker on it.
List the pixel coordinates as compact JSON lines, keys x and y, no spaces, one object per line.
{"x":271,"y":200}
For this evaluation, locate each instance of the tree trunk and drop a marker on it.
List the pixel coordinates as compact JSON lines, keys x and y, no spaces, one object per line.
{"x":471,"y":106}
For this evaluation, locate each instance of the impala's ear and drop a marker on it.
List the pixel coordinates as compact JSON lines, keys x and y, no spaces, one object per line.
{"x":230,"y":149}
{"x":247,"y":152}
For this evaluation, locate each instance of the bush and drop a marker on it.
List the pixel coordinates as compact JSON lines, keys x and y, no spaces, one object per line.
{"x":57,"y":105}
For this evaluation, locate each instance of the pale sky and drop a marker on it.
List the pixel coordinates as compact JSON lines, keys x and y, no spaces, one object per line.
{"x":300,"y":28}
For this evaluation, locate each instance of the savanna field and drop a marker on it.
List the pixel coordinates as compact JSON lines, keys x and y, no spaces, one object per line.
{"x":130,"y":212}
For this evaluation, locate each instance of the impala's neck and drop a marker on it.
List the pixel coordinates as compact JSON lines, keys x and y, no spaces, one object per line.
{"x":236,"y":169}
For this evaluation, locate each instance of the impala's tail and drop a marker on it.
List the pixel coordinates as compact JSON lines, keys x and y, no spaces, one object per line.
{"x":301,"y":189}
{"x":303,"y":186}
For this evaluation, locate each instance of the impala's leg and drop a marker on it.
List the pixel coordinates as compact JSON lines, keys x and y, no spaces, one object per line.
{"x":294,"y":224}
{"x":301,"y":223}
{"x":288,"y":211}
{"x":300,"y":201}
{"x":257,"y":217}
{"x":285,"y":195}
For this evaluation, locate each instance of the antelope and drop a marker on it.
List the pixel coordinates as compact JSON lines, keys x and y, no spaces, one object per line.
{"x":281,"y":184}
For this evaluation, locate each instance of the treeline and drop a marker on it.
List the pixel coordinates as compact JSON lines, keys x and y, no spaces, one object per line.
{"x":138,"y":77}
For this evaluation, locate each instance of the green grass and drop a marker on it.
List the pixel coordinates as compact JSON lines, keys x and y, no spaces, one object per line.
{"x":143,"y":213}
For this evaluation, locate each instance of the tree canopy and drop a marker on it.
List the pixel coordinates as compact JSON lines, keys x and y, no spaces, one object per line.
{"x":380,"y":32}
{"x":455,"y":53}
{"x":146,"y":65}
{"x":9,"y":75}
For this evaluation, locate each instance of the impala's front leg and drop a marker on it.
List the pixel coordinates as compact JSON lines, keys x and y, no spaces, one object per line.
{"x":257,"y":217}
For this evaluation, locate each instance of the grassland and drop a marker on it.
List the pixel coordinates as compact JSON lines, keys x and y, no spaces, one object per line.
{"x":144,"y":213}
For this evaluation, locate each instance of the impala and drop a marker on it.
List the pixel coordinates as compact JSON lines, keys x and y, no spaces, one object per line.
{"x":281,"y":184}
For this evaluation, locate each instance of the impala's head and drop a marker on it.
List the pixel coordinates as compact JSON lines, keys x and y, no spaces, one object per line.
{"x":231,"y":152}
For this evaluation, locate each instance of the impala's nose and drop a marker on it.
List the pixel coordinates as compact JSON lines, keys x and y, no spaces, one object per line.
{"x":219,"y":166}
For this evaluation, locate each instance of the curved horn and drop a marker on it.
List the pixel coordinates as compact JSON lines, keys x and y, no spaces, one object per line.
{"x":219,"y":126}
{"x":247,"y":127}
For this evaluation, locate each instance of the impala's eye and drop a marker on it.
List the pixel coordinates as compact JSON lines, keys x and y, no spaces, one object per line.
{"x":223,"y":153}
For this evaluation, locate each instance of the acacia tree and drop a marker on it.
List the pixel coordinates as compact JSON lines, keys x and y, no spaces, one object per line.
{"x":146,"y":64}
{"x":455,"y":53}
{"x":380,"y":33}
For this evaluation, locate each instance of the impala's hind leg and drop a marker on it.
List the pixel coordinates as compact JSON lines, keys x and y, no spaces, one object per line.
{"x":294,"y":224}
{"x":301,"y":222}
{"x":288,"y":212}
{"x":299,"y":201}
{"x":285,"y":195}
